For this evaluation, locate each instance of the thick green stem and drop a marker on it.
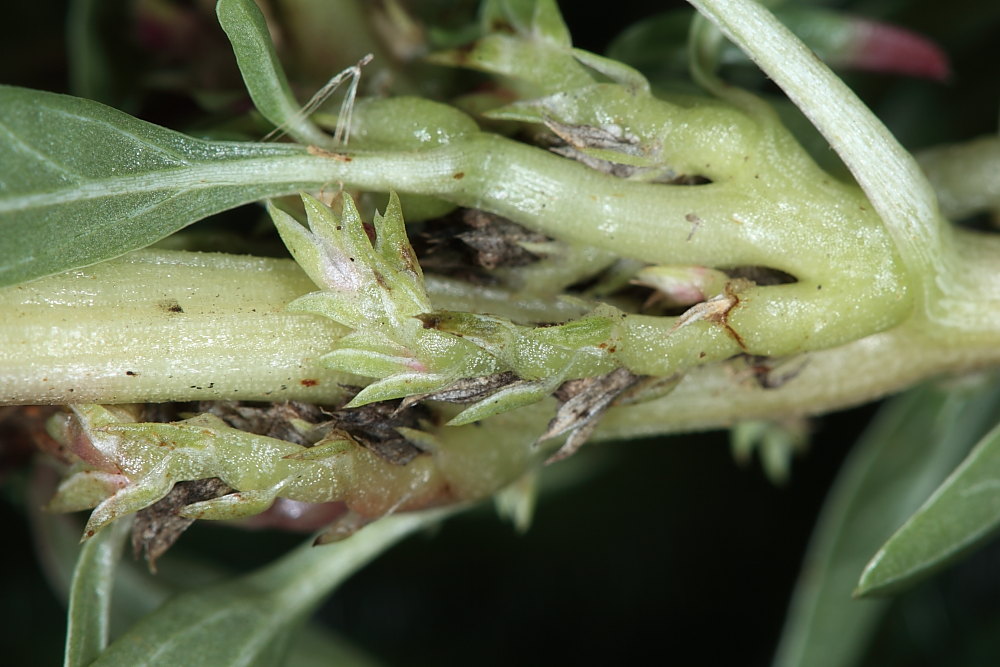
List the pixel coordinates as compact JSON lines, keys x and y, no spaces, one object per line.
{"x":158,"y":326}
{"x":777,"y":210}
{"x":164,"y":326}
{"x":745,"y":221}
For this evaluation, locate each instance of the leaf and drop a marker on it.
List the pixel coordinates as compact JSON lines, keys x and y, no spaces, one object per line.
{"x":964,"y":511}
{"x":137,"y":592}
{"x":583,"y":407}
{"x":248,"y":620}
{"x":81,"y":182}
{"x":909,"y":448}
{"x":90,"y":595}
{"x":263,"y":75}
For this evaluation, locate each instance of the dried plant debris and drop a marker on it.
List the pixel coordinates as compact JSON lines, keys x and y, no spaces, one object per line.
{"x":574,"y":142}
{"x":375,"y":425}
{"x":372,"y":426}
{"x":610,"y":138}
{"x":470,"y":243}
{"x":717,"y":309}
{"x":770,"y":373}
{"x":762,"y":276}
{"x":497,"y":241}
{"x":301,"y":423}
{"x":616,"y":169}
{"x":467,"y":390}
{"x":584,"y":401}
{"x":158,"y":527}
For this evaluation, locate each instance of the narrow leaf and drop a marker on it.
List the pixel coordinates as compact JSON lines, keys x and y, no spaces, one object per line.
{"x":262,"y":72}
{"x":90,"y":595}
{"x":963,"y":512}
{"x":248,"y":620}
{"x":81,"y":182}
{"x":911,"y":446}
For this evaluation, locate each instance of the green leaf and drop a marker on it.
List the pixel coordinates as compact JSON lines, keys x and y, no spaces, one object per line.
{"x":262,"y":72}
{"x":911,"y":446}
{"x":81,"y":182}
{"x":248,"y":620}
{"x":90,"y":595}
{"x":964,"y":511}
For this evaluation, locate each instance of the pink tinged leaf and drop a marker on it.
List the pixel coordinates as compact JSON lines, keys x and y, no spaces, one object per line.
{"x":80,"y":443}
{"x":880,"y":47}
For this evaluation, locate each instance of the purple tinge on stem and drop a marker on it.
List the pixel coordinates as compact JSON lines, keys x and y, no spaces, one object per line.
{"x":880,"y":47}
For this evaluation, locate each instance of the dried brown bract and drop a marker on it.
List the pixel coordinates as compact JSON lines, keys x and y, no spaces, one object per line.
{"x":301,"y":423}
{"x":717,"y":309}
{"x":771,"y":373}
{"x":472,"y":242}
{"x":159,"y":526}
{"x":610,"y":138}
{"x":497,"y":241}
{"x":579,"y":138}
{"x":584,"y":401}
{"x":374,"y":426}
{"x":467,"y":390}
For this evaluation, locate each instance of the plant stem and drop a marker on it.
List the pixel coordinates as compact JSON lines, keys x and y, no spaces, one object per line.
{"x":73,"y":338}
{"x":166,"y":325}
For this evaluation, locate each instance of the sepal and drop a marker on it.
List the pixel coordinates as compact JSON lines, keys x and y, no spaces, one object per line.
{"x":364,"y":282}
{"x":399,"y":386}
